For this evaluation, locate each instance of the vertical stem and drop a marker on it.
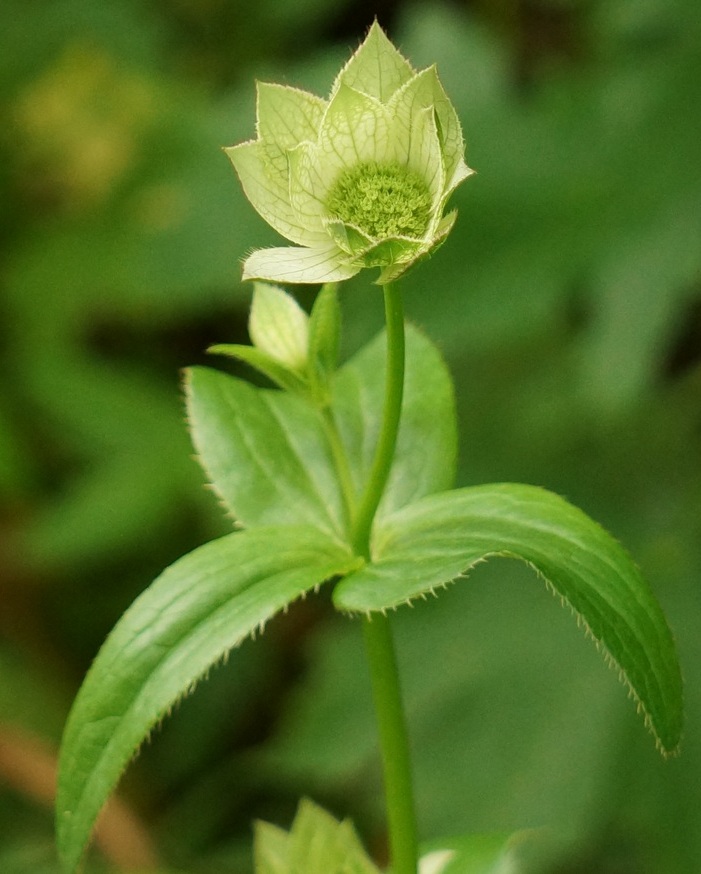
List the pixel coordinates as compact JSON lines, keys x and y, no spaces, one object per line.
{"x":379,"y":645}
{"x":394,"y":744}
{"x":394,"y":391}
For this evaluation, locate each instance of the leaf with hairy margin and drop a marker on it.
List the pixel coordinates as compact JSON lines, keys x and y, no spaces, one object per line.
{"x":267,"y":453}
{"x":187,"y":621}
{"x":440,"y":537}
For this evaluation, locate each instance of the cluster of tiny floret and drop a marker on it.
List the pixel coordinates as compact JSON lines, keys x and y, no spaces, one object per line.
{"x":382,"y":200}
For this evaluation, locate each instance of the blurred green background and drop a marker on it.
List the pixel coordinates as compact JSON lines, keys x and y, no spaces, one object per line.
{"x":568,"y":304}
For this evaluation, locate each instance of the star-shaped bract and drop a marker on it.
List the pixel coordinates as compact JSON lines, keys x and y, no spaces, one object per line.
{"x":360,"y":180}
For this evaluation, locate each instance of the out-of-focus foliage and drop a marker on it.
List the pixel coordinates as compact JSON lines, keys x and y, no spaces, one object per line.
{"x":568,"y":303}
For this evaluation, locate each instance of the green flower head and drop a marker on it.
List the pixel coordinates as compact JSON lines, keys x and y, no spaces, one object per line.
{"x":359,"y":180}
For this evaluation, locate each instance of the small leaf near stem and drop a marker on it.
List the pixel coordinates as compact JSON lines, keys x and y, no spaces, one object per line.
{"x":379,"y":645}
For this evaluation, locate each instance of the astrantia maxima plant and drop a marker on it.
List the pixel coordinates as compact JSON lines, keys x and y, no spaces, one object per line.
{"x":342,"y":477}
{"x":359,"y":180}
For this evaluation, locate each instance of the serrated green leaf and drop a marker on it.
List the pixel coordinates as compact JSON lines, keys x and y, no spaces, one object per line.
{"x":436,"y":540}
{"x":188,"y":620}
{"x":267,"y":453}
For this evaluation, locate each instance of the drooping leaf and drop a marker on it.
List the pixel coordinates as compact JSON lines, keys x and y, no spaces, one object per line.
{"x":439,"y":538}
{"x":188,"y":620}
{"x":268,"y":456}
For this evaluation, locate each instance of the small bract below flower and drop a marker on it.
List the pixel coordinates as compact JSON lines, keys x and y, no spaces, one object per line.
{"x":360,"y":180}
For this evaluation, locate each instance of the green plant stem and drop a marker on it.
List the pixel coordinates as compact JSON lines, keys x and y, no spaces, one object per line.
{"x":379,"y":644}
{"x":394,"y":392}
{"x":394,"y":744}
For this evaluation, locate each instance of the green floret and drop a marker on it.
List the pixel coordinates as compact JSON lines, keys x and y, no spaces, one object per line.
{"x":382,"y":200}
